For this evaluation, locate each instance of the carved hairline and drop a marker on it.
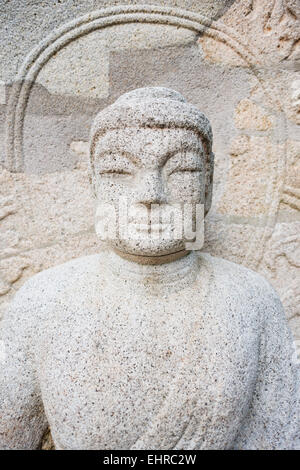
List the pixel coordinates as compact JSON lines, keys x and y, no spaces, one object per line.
{"x":101,"y":132}
{"x":117,"y":117}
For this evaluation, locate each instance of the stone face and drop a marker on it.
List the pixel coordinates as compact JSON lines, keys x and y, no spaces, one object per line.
{"x":146,"y":167}
{"x":150,"y":344}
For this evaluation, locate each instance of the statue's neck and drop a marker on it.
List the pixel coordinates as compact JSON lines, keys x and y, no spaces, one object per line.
{"x":182,"y":270}
{"x":152,"y":260}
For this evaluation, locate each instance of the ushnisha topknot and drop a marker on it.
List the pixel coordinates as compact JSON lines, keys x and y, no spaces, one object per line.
{"x":150,"y":107}
{"x":155,"y":107}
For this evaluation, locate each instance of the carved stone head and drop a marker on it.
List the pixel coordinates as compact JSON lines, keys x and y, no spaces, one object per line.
{"x":150,"y":155}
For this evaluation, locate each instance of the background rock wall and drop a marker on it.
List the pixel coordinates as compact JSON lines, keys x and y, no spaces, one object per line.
{"x":240,"y":66}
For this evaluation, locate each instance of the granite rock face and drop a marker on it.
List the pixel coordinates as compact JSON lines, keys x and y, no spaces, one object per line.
{"x":240,"y":67}
{"x":250,"y":94}
{"x":149,"y":344}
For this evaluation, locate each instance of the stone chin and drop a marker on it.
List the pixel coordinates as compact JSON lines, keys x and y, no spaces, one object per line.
{"x":146,"y":247}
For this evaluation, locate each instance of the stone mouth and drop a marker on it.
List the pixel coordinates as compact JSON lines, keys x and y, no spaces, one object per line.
{"x":150,"y":228}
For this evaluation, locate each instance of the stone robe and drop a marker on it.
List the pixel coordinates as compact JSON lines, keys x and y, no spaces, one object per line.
{"x":194,"y":355}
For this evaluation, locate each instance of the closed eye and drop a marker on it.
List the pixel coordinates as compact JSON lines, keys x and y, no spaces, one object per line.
{"x":109,"y":164}
{"x":114,"y":172}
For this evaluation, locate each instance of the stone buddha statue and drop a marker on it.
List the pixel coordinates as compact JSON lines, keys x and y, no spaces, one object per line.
{"x":151,"y":343}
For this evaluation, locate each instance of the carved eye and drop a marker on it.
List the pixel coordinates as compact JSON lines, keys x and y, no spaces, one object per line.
{"x":184,"y":170}
{"x":114,"y":172}
{"x":114,"y":165}
{"x":183,"y":163}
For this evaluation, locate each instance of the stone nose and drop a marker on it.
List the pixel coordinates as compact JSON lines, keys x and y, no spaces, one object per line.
{"x":150,"y":188}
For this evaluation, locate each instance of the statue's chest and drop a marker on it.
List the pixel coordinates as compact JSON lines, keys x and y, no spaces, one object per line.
{"x":144,"y":374}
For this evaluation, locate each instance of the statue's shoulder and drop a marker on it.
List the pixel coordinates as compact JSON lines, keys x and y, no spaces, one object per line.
{"x":52,"y":284}
{"x":233,"y":272}
{"x":242,"y":285}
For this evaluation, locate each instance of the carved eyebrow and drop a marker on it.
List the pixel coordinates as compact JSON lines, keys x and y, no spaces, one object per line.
{"x":136,"y":161}
{"x":129,"y":156}
{"x":189,"y":148}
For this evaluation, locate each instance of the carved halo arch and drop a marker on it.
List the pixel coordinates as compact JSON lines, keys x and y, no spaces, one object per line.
{"x":118,"y":15}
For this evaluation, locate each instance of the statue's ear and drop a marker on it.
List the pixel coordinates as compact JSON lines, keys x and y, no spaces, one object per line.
{"x":209,"y":173}
{"x":91,"y":174}
{"x":92,"y":183}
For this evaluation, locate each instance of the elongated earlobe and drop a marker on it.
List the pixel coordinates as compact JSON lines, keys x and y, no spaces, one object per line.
{"x":209,"y":173}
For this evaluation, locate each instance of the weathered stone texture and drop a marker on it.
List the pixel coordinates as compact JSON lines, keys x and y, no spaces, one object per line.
{"x":270,"y":28}
{"x":253,"y":103}
{"x":147,"y":345}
